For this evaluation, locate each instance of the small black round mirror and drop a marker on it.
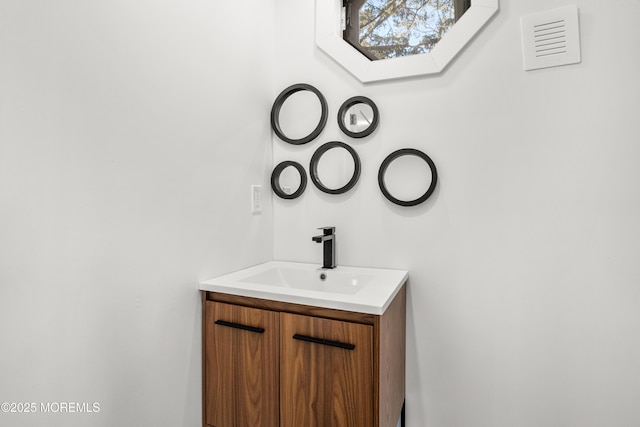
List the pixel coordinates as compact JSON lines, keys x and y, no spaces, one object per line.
{"x":358,"y":117}
{"x":405,"y":174}
{"x":299,"y":114}
{"x":335,"y":168}
{"x":288,"y":180}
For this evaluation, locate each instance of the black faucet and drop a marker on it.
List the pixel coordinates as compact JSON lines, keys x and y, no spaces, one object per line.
{"x":328,"y":240}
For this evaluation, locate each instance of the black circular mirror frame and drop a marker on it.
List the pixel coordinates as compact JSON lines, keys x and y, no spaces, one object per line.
{"x":315,"y":159}
{"x":342,"y":115}
{"x":275,"y":179}
{"x":280,"y":100}
{"x":407,"y":152}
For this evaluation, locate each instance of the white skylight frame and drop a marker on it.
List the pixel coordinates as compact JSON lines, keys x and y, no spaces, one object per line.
{"x":329,"y":39}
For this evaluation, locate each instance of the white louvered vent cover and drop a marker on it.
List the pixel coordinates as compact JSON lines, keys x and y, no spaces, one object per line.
{"x":551,"y":38}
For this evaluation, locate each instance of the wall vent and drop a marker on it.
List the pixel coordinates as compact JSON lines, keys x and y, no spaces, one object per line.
{"x":551,"y":38}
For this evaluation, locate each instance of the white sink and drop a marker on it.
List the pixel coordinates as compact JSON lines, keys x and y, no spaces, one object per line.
{"x":364,"y":290}
{"x":314,"y":279}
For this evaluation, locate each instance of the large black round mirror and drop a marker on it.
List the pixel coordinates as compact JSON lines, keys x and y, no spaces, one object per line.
{"x":407,"y":177}
{"x":288,"y":180}
{"x":335,"y":168}
{"x":358,"y":117}
{"x":299,"y":114}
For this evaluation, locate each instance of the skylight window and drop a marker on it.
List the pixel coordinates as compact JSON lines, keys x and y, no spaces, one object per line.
{"x":383,"y":29}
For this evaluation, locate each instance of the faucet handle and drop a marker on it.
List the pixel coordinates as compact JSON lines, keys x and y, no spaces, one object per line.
{"x":327,"y":231}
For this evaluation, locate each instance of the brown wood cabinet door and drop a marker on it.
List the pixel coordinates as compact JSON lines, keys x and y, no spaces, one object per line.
{"x":326,"y":372}
{"x":241,"y":366}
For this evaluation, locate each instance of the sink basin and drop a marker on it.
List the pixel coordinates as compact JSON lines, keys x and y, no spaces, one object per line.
{"x":359,"y":289}
{"x":316,"y":279}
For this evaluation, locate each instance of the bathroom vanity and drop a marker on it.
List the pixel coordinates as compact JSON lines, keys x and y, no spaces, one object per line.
{"x":290,"y":344}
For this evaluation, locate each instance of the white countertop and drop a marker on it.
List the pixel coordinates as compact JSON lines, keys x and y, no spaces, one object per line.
{"x":358,"y":289}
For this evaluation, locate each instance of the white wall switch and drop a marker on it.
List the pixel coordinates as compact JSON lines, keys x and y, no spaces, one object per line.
{"x":256,"y":198}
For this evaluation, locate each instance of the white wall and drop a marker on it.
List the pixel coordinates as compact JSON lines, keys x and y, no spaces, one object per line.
{"x":130,"y":132}
{"x":524,"y":295}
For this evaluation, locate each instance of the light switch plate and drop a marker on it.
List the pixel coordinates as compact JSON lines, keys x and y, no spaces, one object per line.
{"x":256,"y":198}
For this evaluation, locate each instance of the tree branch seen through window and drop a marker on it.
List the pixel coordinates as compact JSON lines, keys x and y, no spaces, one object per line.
{"x":382,"y":29}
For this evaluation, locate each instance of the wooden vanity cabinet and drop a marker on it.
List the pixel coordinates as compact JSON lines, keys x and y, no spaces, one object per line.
{"x":241,"y":365}
{"x":326,"y":376}
{"x":269,"y":364}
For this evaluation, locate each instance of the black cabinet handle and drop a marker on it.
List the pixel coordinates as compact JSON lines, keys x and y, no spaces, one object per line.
{"x":239,"y":326}
{"x":339,"y":344}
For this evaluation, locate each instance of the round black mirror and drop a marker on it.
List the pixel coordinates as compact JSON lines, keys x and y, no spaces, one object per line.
{"x":299,"y":114}
{"x":358,"y":117}
{"x":288,"y":180}
{"x":335,"y":168}
{"x":405,"y":174}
